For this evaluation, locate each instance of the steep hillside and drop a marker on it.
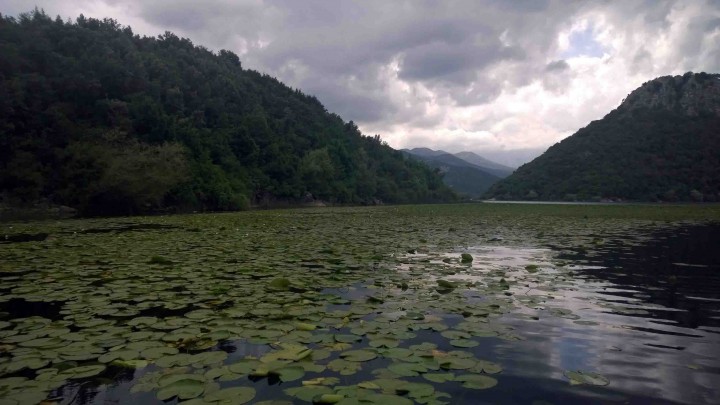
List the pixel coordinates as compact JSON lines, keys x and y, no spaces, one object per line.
{"x":661,"y":144}
{"x":95,"y":117}
{"x":463,"y":177}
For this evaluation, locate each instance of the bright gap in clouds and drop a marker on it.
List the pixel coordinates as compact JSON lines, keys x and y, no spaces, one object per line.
{"x":582,"y":42}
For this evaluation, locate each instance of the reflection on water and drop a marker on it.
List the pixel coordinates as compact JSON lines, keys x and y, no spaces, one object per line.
{"x":645,"y":316}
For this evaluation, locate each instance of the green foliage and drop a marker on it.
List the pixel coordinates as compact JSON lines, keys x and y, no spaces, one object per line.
{"x":122,"y":175}
{"x":96,"y":117}
{"x":643,"y":154}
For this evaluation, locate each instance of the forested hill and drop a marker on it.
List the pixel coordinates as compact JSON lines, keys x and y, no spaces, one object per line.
{"x":97,"y":118}
{"x":661,"y":144}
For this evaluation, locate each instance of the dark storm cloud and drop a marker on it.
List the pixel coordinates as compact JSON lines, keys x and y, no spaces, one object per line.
{"x":446,"y":47}
{"x":440,"y":61}
{"x":557,"y":66}
{"x":363,"y":105}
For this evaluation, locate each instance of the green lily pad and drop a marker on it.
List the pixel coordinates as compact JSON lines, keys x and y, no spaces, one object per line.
{"x":244,"y":366}
{"x":234,"y":395}
{"x":181,"y":359}
{"x":43,"y":342}
{"x":134,"y":364}
{"x":183,"y":389}
{"x":82,"y":372}
{"x":384,"y":341}
{"x":407,"y":369}
{"x":326,"y":399}
{"x":305,"y":326}
{"x":476,"y":381}
{"x":18,"y":364}
{"x":289,"y":373}
{"x":455,"y":334}
{"x":439,"y":377}
{"x":584,"y":377}
{"x":358,"y":355}
{"x":118,"y":355}
{"x":487,"y":367}
{"x":169,"y":379}
{"x":344,"y":367}
{"x":347,"y":338}
{"x":415,"y":390}
{"x":451,"y":363}
{"x":465,"y":343}
{"x":208,"y":358}
{"x":308,"y":393}
{"x":329,"y":381}
{"x":279,"y":284}
{"x":24,"y":397}
{"x":158,"y":352}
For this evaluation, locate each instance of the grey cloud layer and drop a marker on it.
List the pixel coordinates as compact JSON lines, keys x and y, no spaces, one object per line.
{"x":407,"y":66}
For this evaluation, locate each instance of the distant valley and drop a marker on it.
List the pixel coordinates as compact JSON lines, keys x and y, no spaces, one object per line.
{"x":467,"y":173}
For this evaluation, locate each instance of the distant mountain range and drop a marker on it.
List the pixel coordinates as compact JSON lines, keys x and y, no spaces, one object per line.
{"x":661,"y":144}
{"x":466,"y":172}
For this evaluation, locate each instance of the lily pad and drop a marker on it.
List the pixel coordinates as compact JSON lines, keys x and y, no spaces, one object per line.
{"x":289,"y":373}
{"x":183,"y":389}
{"x":234,"y":395}
{"x":451,"y":363}
{"x":309,"y":392}
{"x":465,"y":343}
{"x":325,"y":399}
{"x":439,"y":377}
{"x":407,"y":369}
{"x":585,"y":377}
{"x":476,"y":381}
{"x":82,"y":372}
{"x":344,"y":367}
{"x":244,"y":366}
{"x":358,"y":355}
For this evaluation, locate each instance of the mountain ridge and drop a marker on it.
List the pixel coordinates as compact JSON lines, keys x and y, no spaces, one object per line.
{"x":660,"y":144}
{"x":472,"y":158}
{"x":462,"y":176}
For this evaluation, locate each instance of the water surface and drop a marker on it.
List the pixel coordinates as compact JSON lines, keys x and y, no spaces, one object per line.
{"x":627,"y":296}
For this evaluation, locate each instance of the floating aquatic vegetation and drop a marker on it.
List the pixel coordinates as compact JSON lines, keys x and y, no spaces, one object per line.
{"x":211,"y":307}
{"x":585,"y":377}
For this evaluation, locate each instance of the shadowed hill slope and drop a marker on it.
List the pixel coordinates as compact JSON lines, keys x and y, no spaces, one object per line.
{"x":661,"y":144}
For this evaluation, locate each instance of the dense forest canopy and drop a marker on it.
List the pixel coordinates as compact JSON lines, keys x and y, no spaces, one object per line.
{"x":98,"y":118}
{"x":661,"y":144}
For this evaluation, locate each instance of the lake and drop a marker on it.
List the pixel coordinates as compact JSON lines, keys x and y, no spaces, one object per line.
{"x":458,"y":304}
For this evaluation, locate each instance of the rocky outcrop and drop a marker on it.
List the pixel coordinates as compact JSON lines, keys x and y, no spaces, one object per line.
{"x":690,"y":94}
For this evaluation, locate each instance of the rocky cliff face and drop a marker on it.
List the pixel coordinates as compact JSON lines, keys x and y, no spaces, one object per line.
{"x":690,"y":94}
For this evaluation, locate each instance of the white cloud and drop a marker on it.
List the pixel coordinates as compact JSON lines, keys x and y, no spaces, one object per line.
{"x":489,"y":76}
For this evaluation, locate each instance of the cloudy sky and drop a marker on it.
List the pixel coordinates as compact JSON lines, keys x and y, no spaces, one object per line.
{"x":505,"y":79}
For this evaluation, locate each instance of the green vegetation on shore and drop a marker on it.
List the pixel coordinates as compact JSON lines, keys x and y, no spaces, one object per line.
{"x":95,"y":117}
